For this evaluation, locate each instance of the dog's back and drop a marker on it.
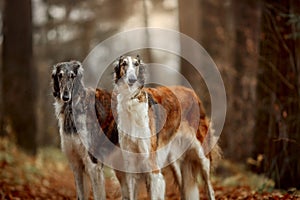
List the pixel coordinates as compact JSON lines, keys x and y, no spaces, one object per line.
{"x":179,"y":104}
{"x":182,"y":104}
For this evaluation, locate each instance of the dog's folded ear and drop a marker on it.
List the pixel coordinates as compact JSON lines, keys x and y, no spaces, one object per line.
{"x":116,"y":65}
{"x":118,"y":62}
{"x":55,"y":82}
{"x":117,"y":68}
{"x":78,"y":70}
{"x":138,"y":58}
{"x":77,"y":66}
{"x":142,"y":70}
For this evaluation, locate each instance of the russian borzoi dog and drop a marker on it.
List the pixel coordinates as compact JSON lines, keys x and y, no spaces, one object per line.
{"x":136,"y":131}
{"x":180,"y":128}
{"x":70,"y":93}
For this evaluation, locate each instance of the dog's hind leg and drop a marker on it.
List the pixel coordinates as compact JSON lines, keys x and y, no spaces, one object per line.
{"x":175,"y":167}
{"x":189,"y":189}
{"x":205,"y":173}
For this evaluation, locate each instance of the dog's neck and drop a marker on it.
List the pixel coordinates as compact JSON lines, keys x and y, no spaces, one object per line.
{"x":64,"y":110}
{"x":128,"y":93}
{"x":78,"y":93}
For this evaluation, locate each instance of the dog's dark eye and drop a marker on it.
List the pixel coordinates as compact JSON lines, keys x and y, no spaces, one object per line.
{"x":136,"y":63}
{"x":124,"y":63}
{"x":60,"y":75}
{"x":76,"y":65}
{"x":72,"y":75}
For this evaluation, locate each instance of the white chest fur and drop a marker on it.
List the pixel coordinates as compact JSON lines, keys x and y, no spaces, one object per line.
{"x":133,"y":124}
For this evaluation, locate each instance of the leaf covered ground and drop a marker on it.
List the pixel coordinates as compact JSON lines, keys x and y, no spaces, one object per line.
{"x":48,"y":176}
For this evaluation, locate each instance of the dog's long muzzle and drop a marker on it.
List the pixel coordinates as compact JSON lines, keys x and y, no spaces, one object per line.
{"x":131,"y":79}
{"x":66,"y":96}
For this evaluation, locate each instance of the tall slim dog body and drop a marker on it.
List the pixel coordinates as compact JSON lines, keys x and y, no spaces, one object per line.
{"x":185,"y":143}
{"x":76,"y":129}
{"x":137,"y":135}
{"x":178,"y":119}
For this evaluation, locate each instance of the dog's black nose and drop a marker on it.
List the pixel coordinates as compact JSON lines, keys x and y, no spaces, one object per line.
{"x":132,"y":79}
{"x":66,"y":96}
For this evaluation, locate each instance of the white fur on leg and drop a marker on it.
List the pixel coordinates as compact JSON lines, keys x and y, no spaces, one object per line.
{"x":97,"y":180}
{"x":157,"y":186}
{"x":131,"y":185}
{"x":205,"y":175}
{"x":176,"y":170}
{"x":205,"y":172}
{"x":189,"y":190}
{"x":192,"y":193}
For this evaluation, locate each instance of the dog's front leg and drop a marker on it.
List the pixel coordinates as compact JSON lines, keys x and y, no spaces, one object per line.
{"x":131,"y":183}
{"x":156,"y":186}
{"x":127,"y":185}
{"x":78,"y":171}
{"x":122,"y":180}
{"x":95,"y":171}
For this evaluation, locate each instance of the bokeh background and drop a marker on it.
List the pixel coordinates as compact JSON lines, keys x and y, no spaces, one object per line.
{"x":255,"y":44}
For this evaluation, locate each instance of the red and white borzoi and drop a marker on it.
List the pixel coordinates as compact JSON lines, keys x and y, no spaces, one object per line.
{"x":136,"y":130}
{"x":182,"y":131}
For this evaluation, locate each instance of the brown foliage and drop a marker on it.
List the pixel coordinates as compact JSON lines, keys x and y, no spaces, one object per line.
{"x":47,"y":176}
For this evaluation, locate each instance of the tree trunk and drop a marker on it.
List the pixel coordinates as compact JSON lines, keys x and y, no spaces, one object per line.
{"x":19,"y":88}
{"x":190,"y":25}
{"x":244,"y":62}
{"x":277,"y":128}
{"x":2,"y":131}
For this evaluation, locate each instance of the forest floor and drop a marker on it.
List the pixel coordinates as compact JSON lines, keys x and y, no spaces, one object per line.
{"x":48,"y":176}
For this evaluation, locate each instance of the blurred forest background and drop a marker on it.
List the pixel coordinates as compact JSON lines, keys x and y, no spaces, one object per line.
{"x":255,"y":44}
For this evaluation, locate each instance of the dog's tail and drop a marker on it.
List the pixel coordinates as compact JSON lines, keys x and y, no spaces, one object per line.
{"x":211,"y":146}
{"x":206,"y":136}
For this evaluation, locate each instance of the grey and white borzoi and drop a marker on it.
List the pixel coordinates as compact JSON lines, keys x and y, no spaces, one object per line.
{"x":70,"y":93}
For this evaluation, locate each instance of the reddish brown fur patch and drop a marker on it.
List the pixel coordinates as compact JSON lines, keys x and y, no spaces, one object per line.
{"x":185,"y":105}
{"x":106,"y":121}
{"x":192,"y":110}
{"x":180,"y":103}
{"x":102,"y":106}
{"x":165,"y":98}
{"x":141,"y":96}
{"x":122,"y":71}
